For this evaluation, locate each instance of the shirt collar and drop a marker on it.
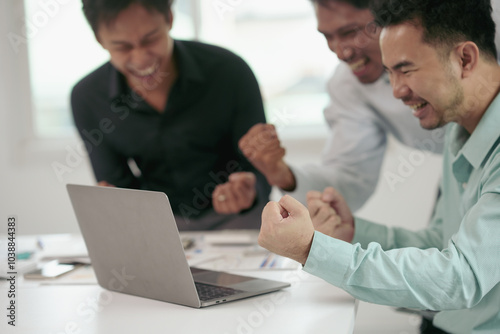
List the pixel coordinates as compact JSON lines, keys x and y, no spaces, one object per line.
{"x":188,"y":69}
{"x":475,"y":148}
{"x":187,"y":66}
{"x":117,"y":85}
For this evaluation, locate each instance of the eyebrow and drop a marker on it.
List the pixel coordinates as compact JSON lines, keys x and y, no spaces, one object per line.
{"x":399,"y":65}
{"x":341,"y":29}
{"x":348,"y":27}
{"x":149,"y":34}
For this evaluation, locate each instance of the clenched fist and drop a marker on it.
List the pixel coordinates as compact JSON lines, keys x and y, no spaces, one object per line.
{"x":263,"y":149}
{"x":287,"y":229}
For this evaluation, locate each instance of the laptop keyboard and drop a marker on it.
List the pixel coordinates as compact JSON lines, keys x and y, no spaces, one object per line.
{"x":209,"y":292}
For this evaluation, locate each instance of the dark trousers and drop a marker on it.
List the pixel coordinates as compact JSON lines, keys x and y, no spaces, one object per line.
{"x":426,"y":327}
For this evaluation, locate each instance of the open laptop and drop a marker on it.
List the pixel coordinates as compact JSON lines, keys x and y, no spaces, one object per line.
{"x":135,"y":248}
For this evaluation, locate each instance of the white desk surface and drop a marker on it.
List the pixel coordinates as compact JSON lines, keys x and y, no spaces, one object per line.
{"x":310,"y":305}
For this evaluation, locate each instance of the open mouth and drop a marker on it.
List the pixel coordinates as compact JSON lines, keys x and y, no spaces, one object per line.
{"x":417,"y":107}
{"x":419,"y":110}
{"x":146,"y":71}
{"x":359,"y":65}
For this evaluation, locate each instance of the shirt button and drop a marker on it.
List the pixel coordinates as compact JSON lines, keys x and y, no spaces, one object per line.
{"x":464,"y":185}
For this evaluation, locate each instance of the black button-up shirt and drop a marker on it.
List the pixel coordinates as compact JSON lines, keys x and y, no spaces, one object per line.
{"x":190,"y":147}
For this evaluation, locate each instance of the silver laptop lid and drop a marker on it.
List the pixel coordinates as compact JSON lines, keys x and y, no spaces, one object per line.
{"x":131,"y":252}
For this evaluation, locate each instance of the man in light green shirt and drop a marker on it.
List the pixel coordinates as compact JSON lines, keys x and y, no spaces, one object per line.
{"x":441,"y":60}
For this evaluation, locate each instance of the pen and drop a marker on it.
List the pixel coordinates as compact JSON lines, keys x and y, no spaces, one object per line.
{"x":40,"y":244}
{"x":264,"y":263}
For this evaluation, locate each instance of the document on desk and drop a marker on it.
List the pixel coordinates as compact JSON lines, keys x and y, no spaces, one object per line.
{"x":232,"y":250}
{"x":84,"y":275}
{"x":241,"y":262}
{"x":223,"y":258}
{"x":227,"y":238}
{"x":65,"y":248}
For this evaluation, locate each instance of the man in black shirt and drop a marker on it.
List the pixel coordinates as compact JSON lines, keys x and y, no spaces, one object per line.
{"x":167,"y":115}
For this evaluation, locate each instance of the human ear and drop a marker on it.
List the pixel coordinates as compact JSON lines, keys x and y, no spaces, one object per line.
{"x":170,"y":18}
{"x":468,"y":53}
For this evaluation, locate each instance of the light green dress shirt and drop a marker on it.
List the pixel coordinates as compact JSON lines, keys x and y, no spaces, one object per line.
{"x":453,"y":266}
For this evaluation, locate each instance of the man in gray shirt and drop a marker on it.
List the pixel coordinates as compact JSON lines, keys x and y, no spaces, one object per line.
{"x":361,"y":115}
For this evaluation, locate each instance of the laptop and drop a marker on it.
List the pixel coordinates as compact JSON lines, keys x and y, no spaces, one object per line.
{"x":135,"y":248}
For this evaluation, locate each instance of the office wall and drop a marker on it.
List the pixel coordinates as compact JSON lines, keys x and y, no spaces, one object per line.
{"x":29,"y":188}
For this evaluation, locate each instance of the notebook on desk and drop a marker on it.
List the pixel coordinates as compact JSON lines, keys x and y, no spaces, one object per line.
{"x":135,"y":248}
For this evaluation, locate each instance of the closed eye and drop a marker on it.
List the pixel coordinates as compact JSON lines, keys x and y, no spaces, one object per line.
{"x":122,"y":48}
{"x":407,"y":72}
{"x":348,"y":33}
{"x":150,"y":40}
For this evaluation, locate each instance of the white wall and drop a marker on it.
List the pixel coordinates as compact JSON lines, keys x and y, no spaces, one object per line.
{"x":29,"y":188}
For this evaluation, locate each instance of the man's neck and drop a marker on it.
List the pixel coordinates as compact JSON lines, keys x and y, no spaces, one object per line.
{"x":480,"y":94}
{"x":156,"y":90}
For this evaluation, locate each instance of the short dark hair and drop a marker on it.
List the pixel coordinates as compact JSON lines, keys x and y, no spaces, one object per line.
{"x":445,"y":22}
{"x":97,"y":11}
{"x":360,"y":4}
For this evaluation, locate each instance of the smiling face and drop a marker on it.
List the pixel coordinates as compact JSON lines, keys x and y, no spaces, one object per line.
{"x":422,"y":76}
{"x":139,"y":43}
{"x":352,"y":36}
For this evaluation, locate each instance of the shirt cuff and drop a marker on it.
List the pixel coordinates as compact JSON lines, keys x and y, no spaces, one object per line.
{"x":366,"y":232}
{"x":329,"y":258}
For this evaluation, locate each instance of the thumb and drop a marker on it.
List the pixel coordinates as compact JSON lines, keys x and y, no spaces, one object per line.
{"x":329,"y":195}
{"x":292,"y":207}
{"x":272,"y":213}
{"x":313,"y":195}
{"x":337,"y":202}
{"x":247,"y":178}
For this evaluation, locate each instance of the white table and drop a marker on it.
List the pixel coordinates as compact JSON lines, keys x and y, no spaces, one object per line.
{"x":310,"y":305}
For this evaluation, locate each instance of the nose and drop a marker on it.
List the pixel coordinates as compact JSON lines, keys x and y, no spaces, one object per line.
{"x":343,"y":51}
{"x":400,"y":89}
{"x":140,"y":58}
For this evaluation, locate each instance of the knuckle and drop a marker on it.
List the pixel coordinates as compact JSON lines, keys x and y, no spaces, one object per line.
{"x":323,"y":209}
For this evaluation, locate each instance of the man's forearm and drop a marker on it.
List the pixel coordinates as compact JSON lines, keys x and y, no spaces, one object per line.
{"x":283,"y":178}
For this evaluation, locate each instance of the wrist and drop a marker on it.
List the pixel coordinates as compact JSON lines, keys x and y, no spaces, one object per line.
{"x":306,"y":250}
{"x":283,"y":178}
